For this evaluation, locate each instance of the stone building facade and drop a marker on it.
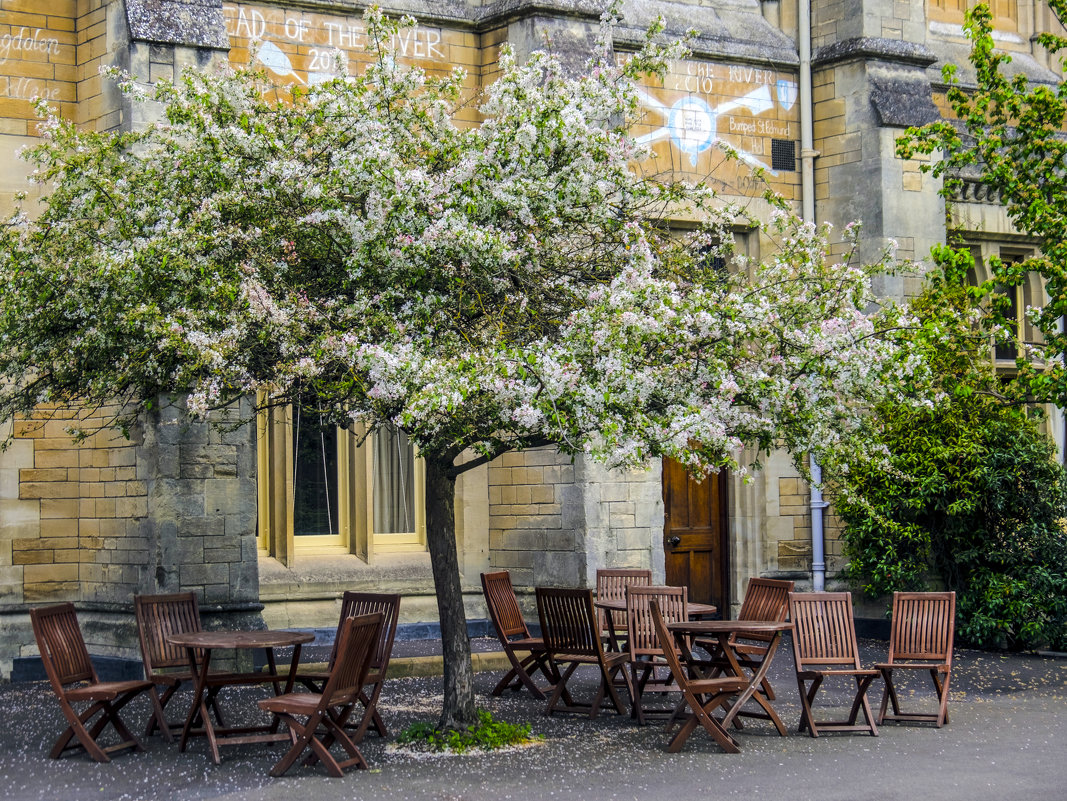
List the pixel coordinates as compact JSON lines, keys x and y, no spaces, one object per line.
{"x":814,"y":92}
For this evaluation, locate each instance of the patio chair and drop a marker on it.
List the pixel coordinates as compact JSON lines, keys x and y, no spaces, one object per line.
{"x":765,"y":599}
{"x":331,"y":708}
{"x":824,"y":647}
{"x":611,"y":584}
{"x":701,"y":696}
{"x":355,"y":604}
{"x":923,"y":630}
{"x":514,"y":636}
{"x":647,"y":660}
{"x":572,"y":637}
{"x":73,"y":678}
{"x":159,"y":616}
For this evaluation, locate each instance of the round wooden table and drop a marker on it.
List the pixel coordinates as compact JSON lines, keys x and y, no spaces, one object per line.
{"x":208,"y":684}
{"x":611,"y":606}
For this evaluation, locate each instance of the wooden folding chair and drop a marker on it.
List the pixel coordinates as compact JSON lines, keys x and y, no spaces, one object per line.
{"x":73,"y":678}
{"x":701,"y":696}
{"x":331,"y":708}
{"x":923,"y":629}
{"x":765,"y":599}
{"x":824,"y":646}
{"x":572,"y":637}
{"x":355,"y":604}
{"x":159,"y":616}
{"x":514,"y":636}
{"x":611,"y":584}
{"x":647,"y":660}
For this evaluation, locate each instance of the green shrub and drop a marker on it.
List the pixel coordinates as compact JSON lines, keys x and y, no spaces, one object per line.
{"x":973,"y":499}
{"x":981,"y":512}
{"x":486,"y":735}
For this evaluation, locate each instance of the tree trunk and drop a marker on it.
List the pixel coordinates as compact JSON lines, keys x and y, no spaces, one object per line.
{"x":458,"y":711}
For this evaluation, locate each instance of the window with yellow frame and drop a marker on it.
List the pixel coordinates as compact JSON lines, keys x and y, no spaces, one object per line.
{"x":324,"y":489}
{"x":1005,"y":12}
{"x":1028,"y":293}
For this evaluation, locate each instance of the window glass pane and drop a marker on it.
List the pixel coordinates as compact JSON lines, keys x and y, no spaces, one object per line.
{"x":1007,"y":350}
{"x":393,"y":477}
{"x":314,"y":476}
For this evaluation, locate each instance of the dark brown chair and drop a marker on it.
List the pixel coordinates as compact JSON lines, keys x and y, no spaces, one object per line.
{"x":73,"y":678}
{"x":923,"y":629}
{"x":159,"y":616}
{"x":330,"y":709}
{"x":824,"y":646}
{"x":765,"y":599}
{"x":611,"y":584}
{"x":514,"y":636}
{"x":356,"y":604}
{"x":701,"y":696}
{"x":572,"y":637}
{"x":647,"y":660}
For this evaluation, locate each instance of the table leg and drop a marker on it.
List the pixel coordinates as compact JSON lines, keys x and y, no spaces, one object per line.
{"x":273,"y":669}
{"x":613,"y":641}
{"x":199,"y":704}
{"x":293,"y":665}
{"x":752,"y":691}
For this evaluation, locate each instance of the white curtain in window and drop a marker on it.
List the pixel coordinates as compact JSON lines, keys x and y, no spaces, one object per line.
{"x":393,"y":478}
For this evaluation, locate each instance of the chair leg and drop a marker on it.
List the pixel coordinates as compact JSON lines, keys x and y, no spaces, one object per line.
{"x":889,"y":695}
{"x":521,"y":674}
{"x":942,"y":695}
{"x":339,"y":720}
{"x":860,"y":702}
{"x":701,"y":714}
{"x":336,"y":733}
{"x":299,"y":737}
{"x":76,"y":728}
{"x":110,"y":714}
{"x":807,"y":695}
{"x":370,"y":716}
{"x":638,"y":691}
{"x":561,"y":691}
{"x":163,"y":701}
{"x":157,"y":715}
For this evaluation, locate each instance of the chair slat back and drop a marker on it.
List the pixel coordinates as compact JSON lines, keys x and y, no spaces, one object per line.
{"x":823,"y":629}
{"x":63,"y":652}
{"x":667,"y":644}
{"x":159,"y":616}
{"x":356,"y":604}
{"x":611,"y":584}
{"x":673,"y":603}
{"x":356,"y":645}
{"x":765,"y":599}
{"x":923,"y":626}
{"x":568,"y":622}
{"x":503,"y":606}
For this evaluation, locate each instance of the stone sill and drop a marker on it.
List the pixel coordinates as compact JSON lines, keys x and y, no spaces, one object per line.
{"x":320,"y":577}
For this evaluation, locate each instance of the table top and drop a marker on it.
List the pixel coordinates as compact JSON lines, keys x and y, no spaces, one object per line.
{"x":728,"y":626}
{"x":619,"y":605}
{"x":239,"y":639}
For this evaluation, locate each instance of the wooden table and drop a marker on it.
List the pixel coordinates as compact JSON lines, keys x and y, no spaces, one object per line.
{"x":206,"y":684}
{"x":722,"y":630}
{"x":613,"y":605}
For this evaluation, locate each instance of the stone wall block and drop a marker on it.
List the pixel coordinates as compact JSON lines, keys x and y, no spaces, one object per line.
{"x":555,"y":569}
{"x":205,"y":574}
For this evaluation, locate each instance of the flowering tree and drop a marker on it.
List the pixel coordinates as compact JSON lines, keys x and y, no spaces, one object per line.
{"x":351,"y":250}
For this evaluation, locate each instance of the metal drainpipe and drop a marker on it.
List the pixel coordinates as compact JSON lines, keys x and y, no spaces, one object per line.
{"x":807,"y":189}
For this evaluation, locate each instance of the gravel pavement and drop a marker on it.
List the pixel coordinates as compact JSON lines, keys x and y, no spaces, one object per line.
{"x":1007,"y":740}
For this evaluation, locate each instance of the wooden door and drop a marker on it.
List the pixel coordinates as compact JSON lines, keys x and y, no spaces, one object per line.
{"x":694,"y":534}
